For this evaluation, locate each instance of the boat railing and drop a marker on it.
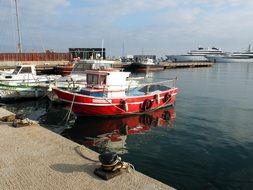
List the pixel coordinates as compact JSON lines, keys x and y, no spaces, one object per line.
{"x":133,"y":85}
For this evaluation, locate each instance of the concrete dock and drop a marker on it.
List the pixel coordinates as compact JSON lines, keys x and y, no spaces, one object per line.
{"x":173,"y":65}
{"x":35,"y":158}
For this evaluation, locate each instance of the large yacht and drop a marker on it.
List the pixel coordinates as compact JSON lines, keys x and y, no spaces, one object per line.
{"x":236,"y":57}
{"x":195,"y":55}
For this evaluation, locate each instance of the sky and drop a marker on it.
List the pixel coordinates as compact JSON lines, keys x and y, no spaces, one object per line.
{"x":159,"y":27}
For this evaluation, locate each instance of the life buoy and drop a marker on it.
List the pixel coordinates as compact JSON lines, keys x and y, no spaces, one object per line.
{"x":146,"y":105}
{"x":167,"y":98}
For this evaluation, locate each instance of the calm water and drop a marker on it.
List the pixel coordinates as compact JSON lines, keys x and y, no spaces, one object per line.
{"x":205,"y":142}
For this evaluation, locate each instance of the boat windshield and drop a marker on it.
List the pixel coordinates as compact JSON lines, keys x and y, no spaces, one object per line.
{"x":26,"y":70}
{"x":80,"y":68}
{"x":16,"y":71}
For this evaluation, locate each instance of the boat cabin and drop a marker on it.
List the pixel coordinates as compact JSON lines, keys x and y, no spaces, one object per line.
{"x":20,"y":72}
{"x":106,"y":83}
{"x":24,"y":69}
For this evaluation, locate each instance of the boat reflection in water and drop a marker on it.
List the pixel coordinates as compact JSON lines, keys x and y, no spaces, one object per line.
{"x":110,"y":134}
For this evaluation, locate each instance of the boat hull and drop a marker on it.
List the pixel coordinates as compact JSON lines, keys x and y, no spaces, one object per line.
{"x":64,"y":70}
{"x":96,"y":106}
{"x":140,"y":67}
{"x":217,"y":59}
{"x":21,"y":92}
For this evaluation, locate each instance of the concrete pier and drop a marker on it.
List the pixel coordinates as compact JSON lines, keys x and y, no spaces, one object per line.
{"x":35,"y":158}
{"x":173,"y":65}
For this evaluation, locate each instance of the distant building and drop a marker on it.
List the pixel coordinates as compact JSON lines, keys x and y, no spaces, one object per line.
{"x":87,"y":53}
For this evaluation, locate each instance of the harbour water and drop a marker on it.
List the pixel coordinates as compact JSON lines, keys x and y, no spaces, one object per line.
{"x":205,"y":142}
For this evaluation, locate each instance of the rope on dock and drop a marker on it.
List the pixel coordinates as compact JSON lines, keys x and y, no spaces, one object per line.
{"x":79,"y":150}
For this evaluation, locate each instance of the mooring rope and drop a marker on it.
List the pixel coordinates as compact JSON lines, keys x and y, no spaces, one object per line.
{"x":114,"y":105}
{"x":71,"y":106}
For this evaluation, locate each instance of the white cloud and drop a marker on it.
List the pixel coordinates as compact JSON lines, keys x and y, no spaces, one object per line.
{"x":155,"y":25}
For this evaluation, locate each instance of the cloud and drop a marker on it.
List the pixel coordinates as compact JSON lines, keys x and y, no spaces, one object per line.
{"x":152,"y":25}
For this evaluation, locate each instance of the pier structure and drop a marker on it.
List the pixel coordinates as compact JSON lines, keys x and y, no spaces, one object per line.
{"x":35,"y":158}
{"x":173,"y":65}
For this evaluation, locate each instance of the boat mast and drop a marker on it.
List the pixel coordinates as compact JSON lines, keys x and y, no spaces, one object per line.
{"x":18,"y":28}
{"x":102,"y":57}
{"x":123,"y":49}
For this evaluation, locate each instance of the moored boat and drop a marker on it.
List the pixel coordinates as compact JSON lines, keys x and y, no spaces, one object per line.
{"x":144,"y":65}
{"x":113,"y":93}
{"x":23,"y":82}
{"x":64,"y":69}
{"x":14,"y":92}
{"x":77,"y":76}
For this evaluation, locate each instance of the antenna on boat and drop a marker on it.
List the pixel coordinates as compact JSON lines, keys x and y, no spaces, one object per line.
{"x":18,"y":28}
{"x":249,"y":48}
{"x":102,"y":49}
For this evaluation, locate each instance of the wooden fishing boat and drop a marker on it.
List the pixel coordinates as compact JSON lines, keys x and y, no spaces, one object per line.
{"x":114,"y":93}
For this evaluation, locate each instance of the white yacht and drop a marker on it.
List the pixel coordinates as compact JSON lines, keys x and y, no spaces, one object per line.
{"x":236,"y":57}
{"x":196,"y":55}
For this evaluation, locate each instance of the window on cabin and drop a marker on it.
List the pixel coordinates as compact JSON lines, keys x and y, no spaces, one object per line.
{"x":92,"y":79}
{"x":26,"y":70}
{"x":96,"y":79}
{"x":79,"y":68}
{"x":89,"y":79}
{"x":102,"y":80}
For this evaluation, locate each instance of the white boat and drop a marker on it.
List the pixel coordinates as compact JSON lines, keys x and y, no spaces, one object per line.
{"x":77,"y":77}
{"x":195,"y":55}
{"x":237,"y":57}
{"x":23,"y":82}
{"x":14,"y":92}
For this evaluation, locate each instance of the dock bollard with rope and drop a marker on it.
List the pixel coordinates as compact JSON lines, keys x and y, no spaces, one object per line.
{"x":112,"y":166}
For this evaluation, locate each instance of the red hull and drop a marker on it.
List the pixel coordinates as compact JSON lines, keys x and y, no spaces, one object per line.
{"x":97,"y":106}
{"x":64,"y":70}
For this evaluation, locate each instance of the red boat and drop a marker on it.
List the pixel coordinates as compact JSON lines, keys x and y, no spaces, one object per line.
{"x":64,"y":69}
{"x":114,"y":93}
